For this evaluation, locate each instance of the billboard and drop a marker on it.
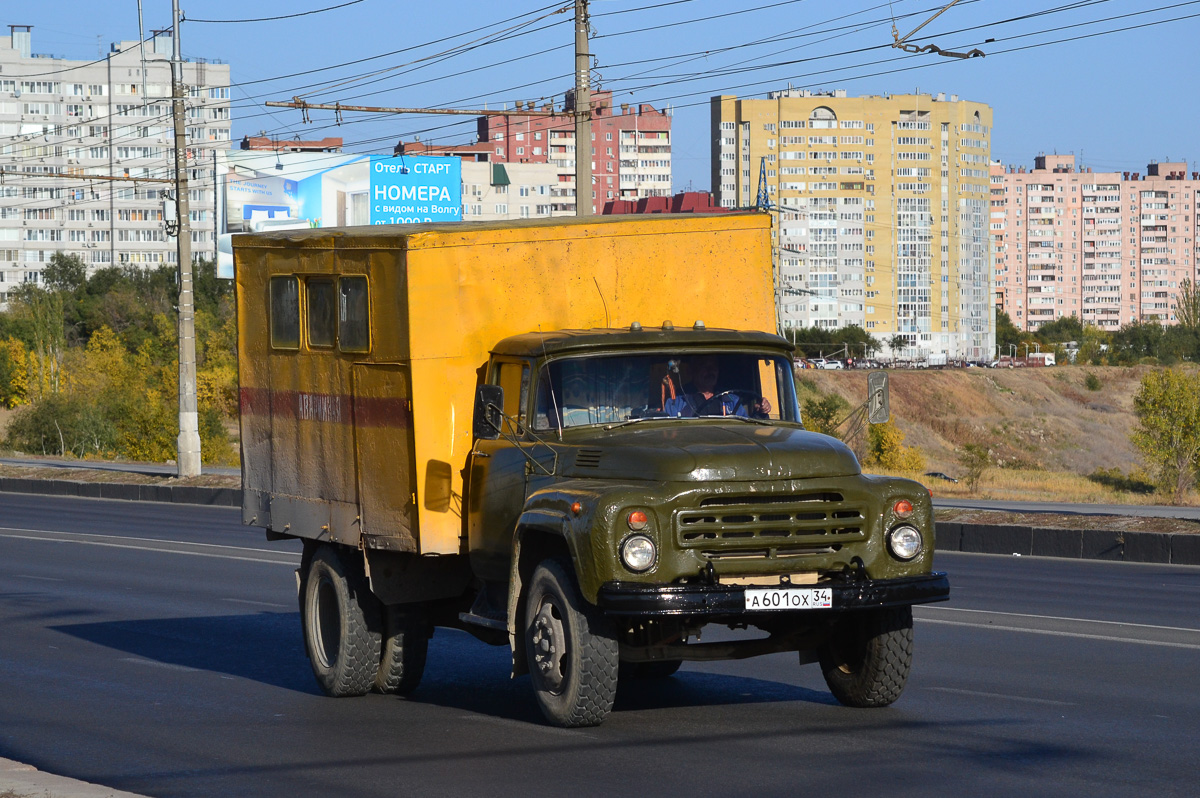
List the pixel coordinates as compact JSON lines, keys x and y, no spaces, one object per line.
{"x":251,"y":199}
{"x":408,"y":190}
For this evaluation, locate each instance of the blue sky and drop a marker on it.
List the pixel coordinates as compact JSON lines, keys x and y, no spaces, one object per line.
{"x":1121,"y":99}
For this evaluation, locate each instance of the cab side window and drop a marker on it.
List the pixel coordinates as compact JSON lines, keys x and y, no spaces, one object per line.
{"x":513,"y":377}
{"x":285,"y":312}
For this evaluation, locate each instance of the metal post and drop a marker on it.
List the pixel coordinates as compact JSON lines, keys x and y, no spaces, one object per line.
{"x":583,"y":113}
{"x":188,"y":443}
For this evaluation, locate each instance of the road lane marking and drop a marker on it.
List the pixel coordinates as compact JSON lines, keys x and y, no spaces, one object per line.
{"x":1062,"y":618}
{"x":167,"y":666}
{"x":39,"y":578}
{"x":1005,"y":696}
{"x":256,"y":603}
{"x":142,"y":544}
{"x":1061,"y":633}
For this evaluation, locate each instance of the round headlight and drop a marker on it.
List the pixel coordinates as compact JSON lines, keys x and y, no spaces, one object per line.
{"x":904,"y":542}
{"x":638,"y":553}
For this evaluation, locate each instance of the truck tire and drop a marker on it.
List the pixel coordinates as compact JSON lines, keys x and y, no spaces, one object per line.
{"x":868,"y":656}
{"x":658,"y":669}
{"x":571,"y":650}
{"x":402,"y":652}
{"x":341,"y":618}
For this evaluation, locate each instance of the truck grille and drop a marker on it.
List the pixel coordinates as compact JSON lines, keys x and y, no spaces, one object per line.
{"x":762,"y":526}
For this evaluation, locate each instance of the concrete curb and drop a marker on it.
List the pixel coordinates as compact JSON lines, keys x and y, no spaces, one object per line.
{"x":1086,"y":544}
{"x":27,"y":781}
{"x":175,"y":494}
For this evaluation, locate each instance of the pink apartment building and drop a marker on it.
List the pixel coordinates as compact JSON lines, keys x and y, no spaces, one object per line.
{"x":1108,"y":247}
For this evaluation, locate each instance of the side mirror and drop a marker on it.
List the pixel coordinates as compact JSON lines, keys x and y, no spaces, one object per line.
{"x":487,"y":420}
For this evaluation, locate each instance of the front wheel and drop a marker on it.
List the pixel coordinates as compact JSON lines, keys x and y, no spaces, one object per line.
{"x":868,"y":656}
{"x":571,"y":650}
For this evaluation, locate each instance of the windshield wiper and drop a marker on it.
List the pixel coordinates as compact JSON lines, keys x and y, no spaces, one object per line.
{"x":763,"y":421}
{"x":629,"y":421}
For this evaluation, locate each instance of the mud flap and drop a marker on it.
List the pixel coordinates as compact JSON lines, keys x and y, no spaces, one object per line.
{"x":520,"y":666}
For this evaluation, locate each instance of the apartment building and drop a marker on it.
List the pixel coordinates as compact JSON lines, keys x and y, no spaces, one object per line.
{"x":882,"y":210}
{"x":630,"y":149}
{"x":1110,"y":248}
{"x":64,"y":124}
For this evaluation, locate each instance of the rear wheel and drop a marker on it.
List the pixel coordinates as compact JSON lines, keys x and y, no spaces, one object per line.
{"x":868,"y":656}
{"x":404,"y":645}
{"x":341,"y":619}
{"x":571,"y":650}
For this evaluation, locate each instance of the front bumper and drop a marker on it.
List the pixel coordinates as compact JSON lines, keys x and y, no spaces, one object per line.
{"x":627,"y":598}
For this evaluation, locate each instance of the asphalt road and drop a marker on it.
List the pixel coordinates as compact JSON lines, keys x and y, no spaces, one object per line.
{"x":156,"y":649}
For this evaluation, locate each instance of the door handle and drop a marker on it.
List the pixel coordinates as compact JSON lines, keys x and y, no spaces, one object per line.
{"x":480,"y":454}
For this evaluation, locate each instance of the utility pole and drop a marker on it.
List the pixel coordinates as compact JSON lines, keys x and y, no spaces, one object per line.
{"x":188,"y":443}
{"x":583,"y":113}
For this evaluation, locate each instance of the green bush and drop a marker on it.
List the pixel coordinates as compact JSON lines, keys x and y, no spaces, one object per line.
{"x":1092,"y":382}
{"x":62,"y":425}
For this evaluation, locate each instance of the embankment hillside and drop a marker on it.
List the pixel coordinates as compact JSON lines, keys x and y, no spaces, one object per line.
{"x":1029,"y":418}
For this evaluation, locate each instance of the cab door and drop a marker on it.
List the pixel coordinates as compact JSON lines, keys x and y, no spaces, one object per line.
{"x":498,"y":477}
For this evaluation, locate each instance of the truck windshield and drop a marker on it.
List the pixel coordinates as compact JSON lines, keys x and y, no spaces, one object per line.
{"x":611,"y":389}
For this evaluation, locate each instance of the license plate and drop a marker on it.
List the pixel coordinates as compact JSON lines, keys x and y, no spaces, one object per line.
{"x":788,"y":598}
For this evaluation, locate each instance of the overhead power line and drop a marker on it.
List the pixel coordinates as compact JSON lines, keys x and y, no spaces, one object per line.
{"x":185,"y":18}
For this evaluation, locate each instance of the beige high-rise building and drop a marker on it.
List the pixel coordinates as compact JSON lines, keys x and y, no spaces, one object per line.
{"x":882,"y":208}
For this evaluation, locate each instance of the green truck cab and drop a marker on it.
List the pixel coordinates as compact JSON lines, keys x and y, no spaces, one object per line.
{"x":629,"y":487}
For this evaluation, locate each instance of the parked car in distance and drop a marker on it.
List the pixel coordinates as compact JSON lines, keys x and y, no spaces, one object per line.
{"x":940,"y":475}
{"x":831,"y":364}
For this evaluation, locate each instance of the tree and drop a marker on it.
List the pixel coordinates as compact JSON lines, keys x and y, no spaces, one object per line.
{"x":43,"y":311}
{"x":1187,"y":307}
{"x":1137,"y":340}
{"x":897,"y":343}
{"x":1067,"y":328}
{"x":885,"y":447}
{"x":822,"y":415}
{"x":64,"y":273}
{"x":1006,"y":332}
{"x":975,"y":458}
{"x":1168,"y":430}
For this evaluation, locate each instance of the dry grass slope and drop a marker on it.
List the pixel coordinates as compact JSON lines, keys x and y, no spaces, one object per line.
{"x":1039,"y":422}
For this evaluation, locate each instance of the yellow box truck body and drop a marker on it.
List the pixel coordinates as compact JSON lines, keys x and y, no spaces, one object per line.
{"x":360,"y":349}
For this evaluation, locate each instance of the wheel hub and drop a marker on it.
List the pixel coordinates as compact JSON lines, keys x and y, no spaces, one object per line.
{"x":548,"y":639}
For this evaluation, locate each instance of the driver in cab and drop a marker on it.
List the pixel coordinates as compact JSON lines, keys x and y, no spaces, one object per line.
{"x":704,"y":399}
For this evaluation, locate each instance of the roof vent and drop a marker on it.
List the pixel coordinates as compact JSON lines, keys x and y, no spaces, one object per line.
{"x":699,"y":325}
{"x":667,"y":325}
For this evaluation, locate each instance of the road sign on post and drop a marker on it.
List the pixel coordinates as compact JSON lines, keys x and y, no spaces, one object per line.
{"x":878,"y":409}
